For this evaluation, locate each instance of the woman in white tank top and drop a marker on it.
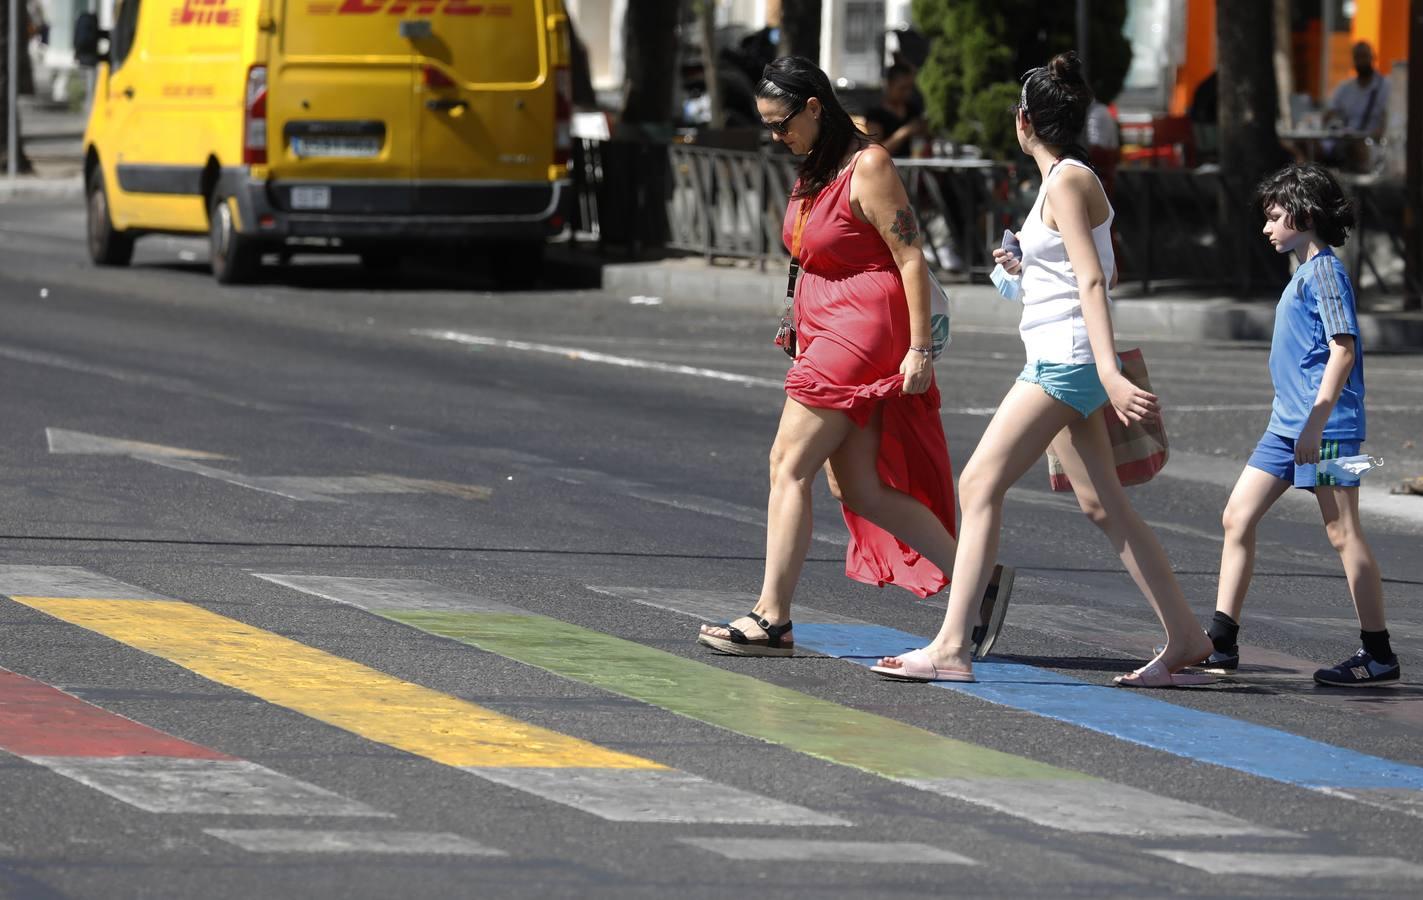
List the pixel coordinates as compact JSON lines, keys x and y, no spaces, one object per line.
{"x":1070,"y":384}
{"x":1053,"y":327}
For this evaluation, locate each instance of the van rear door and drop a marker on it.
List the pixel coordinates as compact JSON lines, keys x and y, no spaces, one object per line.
{"x":339,"y":108}
{"x":485,"y":107}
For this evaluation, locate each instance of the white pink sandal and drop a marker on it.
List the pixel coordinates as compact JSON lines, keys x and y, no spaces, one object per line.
{"x":1155,"y":675}
{"x":916,"y":666}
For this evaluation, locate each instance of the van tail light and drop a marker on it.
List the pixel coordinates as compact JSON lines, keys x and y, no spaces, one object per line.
{"x":435,"y":77}
{"x":563,"y":116}
{"x":254,"y":117}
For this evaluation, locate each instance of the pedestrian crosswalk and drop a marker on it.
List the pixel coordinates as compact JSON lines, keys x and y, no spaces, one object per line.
{"x":876,"y":744}
{"x":1194,"y":734}
{"x":604,"y":782}
{"x":158,"y":771}
{"x":144,"y":767}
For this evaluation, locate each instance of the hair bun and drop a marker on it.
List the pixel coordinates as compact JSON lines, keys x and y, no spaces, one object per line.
{"x":1066,"y":68}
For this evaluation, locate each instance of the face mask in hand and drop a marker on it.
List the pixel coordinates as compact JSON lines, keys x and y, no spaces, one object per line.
{"x":1349,"y":467}
{"x":1009,"y":286}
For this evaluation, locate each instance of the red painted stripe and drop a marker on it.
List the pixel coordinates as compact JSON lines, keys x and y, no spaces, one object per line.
{"x":39,"y":720}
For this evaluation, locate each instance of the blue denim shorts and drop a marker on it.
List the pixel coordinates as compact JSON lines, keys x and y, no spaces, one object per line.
{"x":1076,"y":385}
{"x":1275,"y":454}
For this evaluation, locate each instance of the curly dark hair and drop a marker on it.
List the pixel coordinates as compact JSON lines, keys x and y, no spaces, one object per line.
{"x":1055,"y":98}
{"x":791,"y":81}
{"x":1312,"y":200}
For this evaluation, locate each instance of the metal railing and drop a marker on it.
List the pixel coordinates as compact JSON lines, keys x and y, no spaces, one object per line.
{"x":732,"y":202}
{"x":1176,"y":228}
{"x":727,"y":202}
{"x":1191,"y":228}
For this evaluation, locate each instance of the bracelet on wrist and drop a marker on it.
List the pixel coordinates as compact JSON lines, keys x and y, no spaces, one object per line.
{"x":924,"y":350}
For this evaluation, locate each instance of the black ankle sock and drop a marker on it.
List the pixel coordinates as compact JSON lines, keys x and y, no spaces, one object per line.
{"x":1376,"y":643}
{"x":1223,"y":631}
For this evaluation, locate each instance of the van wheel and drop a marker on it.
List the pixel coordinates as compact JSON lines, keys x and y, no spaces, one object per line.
{"x":235,"y":257}
{"x":516,"y":267}
{"x":107,"y":245}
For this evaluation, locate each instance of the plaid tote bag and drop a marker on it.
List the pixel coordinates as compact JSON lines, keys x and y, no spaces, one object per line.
{"x":1138,"y":448}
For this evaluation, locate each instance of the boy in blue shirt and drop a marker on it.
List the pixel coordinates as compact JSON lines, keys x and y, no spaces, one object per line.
{"x":1317,"y":366}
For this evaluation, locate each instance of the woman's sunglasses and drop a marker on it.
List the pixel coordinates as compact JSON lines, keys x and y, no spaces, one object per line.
{"x":783,"y":126}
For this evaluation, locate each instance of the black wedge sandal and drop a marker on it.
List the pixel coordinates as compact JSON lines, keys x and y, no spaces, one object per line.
{"x":741,"y":645}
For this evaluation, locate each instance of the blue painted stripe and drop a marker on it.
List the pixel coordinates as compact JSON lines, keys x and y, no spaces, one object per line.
{"x":1132,"y":716}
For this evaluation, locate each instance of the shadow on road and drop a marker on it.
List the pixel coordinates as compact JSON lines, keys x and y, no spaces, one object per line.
{"x":415,"y":273}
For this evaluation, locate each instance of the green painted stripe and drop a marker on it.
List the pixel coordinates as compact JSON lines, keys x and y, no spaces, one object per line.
{"x":727,"y":700}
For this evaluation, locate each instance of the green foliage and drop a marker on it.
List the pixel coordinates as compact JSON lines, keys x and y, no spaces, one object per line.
{"x":979,"y":48}
{"x":984,"y":120}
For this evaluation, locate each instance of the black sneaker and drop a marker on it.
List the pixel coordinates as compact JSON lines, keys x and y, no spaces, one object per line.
{"x":1219,"y":662}
{"x":1359,"y":670}
{"x":991,"y":610}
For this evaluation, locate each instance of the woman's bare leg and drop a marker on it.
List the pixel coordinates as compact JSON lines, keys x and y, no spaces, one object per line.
{"x":1019,"y":432}
{"x":1086,"y":454}
{"x":854,"y":480}
{"x":806,"y":438}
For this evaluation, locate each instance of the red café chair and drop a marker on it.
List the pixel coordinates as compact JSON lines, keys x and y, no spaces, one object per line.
{"x":1170,"y":141}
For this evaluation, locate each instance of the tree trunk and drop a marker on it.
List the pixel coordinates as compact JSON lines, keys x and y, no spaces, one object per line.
{"x":1413,"y":195}
{"x":650,"y":56}
{"x":23,"y":164}
{"x":1249,"y":102}
{"x":800,"y":29}
{"x":707,"y":22}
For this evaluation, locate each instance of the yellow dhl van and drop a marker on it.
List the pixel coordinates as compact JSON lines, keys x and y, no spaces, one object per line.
{"x":372,"y":126}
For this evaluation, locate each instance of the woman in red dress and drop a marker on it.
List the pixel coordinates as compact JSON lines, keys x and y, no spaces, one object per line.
{"x":860,"y":395}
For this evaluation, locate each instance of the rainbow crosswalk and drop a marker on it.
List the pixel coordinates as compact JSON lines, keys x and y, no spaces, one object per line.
{"x":162,"y":772}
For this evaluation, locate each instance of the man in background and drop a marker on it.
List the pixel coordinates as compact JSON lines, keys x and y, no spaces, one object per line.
{"x":1360,"y":105}
{"x":898,"y":119}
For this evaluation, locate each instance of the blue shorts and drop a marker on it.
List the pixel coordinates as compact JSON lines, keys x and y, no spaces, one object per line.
{"x":1076,"y":385}
{"x":1275,"y":454}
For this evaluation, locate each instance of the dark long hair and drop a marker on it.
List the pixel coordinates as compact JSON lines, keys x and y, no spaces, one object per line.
{"x":1312,"y":201}
{"x":1055,"y":98}
{"x":791,"y":81}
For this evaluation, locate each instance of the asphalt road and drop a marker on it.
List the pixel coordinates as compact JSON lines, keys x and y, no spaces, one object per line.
{"x":486,"y":526}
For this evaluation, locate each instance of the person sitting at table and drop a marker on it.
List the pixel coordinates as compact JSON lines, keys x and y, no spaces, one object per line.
{"x":1360,"y":105}
{"x":898,"y":119}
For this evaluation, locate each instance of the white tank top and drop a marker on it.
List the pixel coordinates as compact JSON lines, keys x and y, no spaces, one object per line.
{"x":1052,"y":326}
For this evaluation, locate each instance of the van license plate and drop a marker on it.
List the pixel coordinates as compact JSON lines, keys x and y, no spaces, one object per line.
{"x":344,"y":147}
{"x":311,"y":198}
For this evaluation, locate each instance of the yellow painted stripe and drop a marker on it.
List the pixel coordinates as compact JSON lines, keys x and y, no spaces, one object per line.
{"x":339,"y":692}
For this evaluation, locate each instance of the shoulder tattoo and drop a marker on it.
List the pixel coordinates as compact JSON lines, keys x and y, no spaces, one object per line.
{"x":904,"y":227}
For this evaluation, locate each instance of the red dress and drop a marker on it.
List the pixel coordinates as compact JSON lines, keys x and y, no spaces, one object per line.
{"x":852,"y":329}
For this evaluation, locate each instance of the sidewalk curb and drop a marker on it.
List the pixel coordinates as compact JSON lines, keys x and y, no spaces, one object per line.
{"x":694,"y":281}
{"x":29,"y":187}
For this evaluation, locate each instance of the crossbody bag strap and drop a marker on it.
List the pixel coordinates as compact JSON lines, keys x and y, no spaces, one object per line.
{"x":797,"y":233}
{"x":1369,"y":107}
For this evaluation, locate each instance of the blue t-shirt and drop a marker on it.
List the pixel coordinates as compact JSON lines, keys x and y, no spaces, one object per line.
{"x":1317,"y":304}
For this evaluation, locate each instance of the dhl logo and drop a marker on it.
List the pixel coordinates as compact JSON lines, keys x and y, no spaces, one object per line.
{"x":412,"y":7}
{"x":205,"y":12}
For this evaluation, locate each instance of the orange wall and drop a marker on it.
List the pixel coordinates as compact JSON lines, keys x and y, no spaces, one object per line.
{"x":1200,"y":53}
{"x":1384,"y":24}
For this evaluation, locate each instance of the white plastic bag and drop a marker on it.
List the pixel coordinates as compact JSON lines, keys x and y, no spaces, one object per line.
{"x":1349,"y":467}
{"x":938,"y":317}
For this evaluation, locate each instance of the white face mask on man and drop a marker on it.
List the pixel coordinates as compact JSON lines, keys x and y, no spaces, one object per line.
{"x":1349,"y":467}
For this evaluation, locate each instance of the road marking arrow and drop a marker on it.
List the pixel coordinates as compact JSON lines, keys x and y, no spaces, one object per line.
{"x":303,"y":488}
{"x":78,"y":442}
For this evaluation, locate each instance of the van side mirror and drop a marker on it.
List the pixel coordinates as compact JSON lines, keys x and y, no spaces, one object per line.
{"x":87,"y":35}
